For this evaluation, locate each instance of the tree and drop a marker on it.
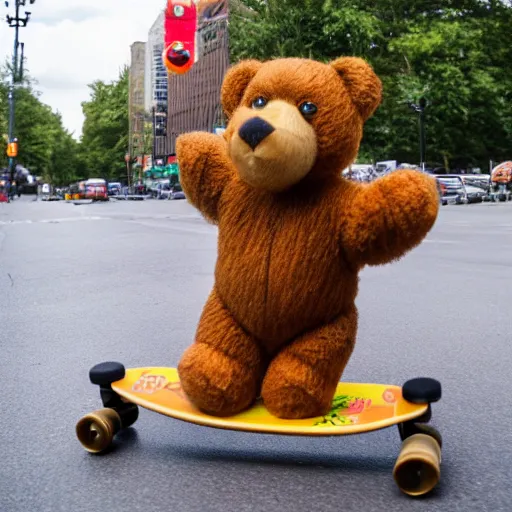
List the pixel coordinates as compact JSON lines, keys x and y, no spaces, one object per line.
{"x":452,"y":52}
{"x":105,"y":132}
{"x":46,"y":148}
{"x":451,"y":62}
{"x":317,"y":29}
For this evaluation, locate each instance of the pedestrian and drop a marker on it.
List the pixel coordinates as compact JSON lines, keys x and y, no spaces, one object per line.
{"x":12,"y":190}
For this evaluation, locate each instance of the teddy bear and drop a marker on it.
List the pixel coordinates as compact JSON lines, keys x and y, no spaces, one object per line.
{"x":280,"y":323}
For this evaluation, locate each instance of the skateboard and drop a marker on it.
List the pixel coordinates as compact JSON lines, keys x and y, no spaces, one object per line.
{"x":356,"y":409}
{"x":180,"y":52}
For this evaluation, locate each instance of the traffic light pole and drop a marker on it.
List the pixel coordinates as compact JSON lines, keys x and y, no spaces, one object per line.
{"x":15,"y":23}
{"x":423,"y":105}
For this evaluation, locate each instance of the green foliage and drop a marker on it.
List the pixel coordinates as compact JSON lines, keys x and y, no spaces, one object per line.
{"x":301,"y":28}
{"x":45,"y":147}
{"x":105,"y":132}
{"x":48,"y":150}
{"x":452,"y":52}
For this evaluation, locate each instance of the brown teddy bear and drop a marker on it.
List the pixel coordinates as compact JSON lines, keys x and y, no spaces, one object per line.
{"x":281,"y":320}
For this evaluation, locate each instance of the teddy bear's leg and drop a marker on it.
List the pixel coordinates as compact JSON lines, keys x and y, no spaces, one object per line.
{"x":301,"y":380}
{"x":221,"y":372}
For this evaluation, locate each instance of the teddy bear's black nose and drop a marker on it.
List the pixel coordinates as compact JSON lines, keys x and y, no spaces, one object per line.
{"x":255,"y":131}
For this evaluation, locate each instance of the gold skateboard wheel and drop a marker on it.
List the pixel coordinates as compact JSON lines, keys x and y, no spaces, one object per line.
{"x":96,"y":430}
{"x":418,"y":467}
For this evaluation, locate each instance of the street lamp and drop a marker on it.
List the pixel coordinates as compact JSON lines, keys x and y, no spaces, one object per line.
{"x":17,"y":71}
{"x":153,"y":125}
{"x":420,"y":110}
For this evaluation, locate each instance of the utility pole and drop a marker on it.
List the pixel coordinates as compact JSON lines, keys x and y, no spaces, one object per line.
{"x":142,"y":116}
{"x":420,"y":109}
{"x":17,"y":76}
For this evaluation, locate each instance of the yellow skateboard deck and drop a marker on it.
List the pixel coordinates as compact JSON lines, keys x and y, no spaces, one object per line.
{"x":356,"y":408}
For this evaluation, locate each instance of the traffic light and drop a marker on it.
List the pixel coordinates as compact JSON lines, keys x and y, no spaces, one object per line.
{"x":12,"y":149}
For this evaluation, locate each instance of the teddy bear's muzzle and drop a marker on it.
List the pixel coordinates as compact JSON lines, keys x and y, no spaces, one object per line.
{"x":255,"y":131}
{"x":274,"y":148}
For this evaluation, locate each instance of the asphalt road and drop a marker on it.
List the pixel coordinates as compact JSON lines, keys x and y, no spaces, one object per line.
{"x":127,"y":281}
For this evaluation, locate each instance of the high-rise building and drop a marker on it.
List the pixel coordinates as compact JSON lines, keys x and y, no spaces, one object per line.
{"x":155,"y":72}
{"x":136,"y":111}
{"x":155,"y":96}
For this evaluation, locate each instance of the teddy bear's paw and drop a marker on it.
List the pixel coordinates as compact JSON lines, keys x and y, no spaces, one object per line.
{"x":214,"y":383}
{"x":293,"y":402}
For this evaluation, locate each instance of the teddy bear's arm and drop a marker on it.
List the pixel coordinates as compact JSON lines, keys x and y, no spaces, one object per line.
{"x":205,"y":169}
{"x":389,"y":217}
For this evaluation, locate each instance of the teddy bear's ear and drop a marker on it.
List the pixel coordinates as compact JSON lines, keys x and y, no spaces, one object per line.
{"x":364,"y":86}
{"x":235,"y":82}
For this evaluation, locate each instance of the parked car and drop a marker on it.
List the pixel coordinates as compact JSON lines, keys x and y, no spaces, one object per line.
{"x":452,"y":190}
{"x":363,"y":173}
{"x":96,"y":189}
{"x":173,"y":192}
{"x":405,"y":165}
{"x":475,"y":187}
{"x":482,"y":181}
{"x":114,"y":188}
{"x":157,"y":187}
{"x":474,"y":194}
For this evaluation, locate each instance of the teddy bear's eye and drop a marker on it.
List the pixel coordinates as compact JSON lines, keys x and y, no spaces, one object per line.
{"x":308,"y":109}
{"x":259,"y":102}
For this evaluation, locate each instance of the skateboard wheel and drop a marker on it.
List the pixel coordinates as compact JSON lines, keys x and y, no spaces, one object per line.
{"x":96,"y":430}
{"x":105,"y":373}
{"x":422,"y":390}
{"x":418,"y":467}
{"x":422,"y":428}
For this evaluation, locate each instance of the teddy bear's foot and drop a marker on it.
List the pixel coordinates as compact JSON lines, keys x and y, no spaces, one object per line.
{"x":292,"y":402}
{"x":216,"y":384}
{"x":221,"y":372}
{"x":302,"y":379}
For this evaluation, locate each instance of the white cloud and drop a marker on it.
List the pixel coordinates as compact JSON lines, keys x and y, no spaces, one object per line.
{"x":69,"y":47}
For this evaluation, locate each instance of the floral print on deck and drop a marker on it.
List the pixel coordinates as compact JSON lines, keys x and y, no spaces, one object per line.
{"x":343,"y":406}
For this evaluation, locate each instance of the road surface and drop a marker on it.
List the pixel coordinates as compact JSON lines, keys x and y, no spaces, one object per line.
{"x":127,"y":281}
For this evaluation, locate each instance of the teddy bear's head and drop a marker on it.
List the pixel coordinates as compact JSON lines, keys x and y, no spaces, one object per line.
{"x":290,"y":118}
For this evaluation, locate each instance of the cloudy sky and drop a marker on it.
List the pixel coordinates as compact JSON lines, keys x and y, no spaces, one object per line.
{"x":69,"y":44}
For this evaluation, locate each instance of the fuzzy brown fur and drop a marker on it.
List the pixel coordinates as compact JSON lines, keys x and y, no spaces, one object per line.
{"x":281,"y":320}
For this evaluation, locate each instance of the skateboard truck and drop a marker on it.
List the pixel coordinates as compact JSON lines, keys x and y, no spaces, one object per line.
{"x":97,"y":429}
{"x":420,"y":391}
{"x":417,"y":469}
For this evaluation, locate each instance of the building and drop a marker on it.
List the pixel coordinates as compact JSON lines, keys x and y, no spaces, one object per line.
{"x":194,"y":98}
{"x":136,"y":111}
{"x":156,"y":85}
{"x":155,"y":80}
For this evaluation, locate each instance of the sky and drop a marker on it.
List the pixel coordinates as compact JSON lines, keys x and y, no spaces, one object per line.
{"x":69,"y":44}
